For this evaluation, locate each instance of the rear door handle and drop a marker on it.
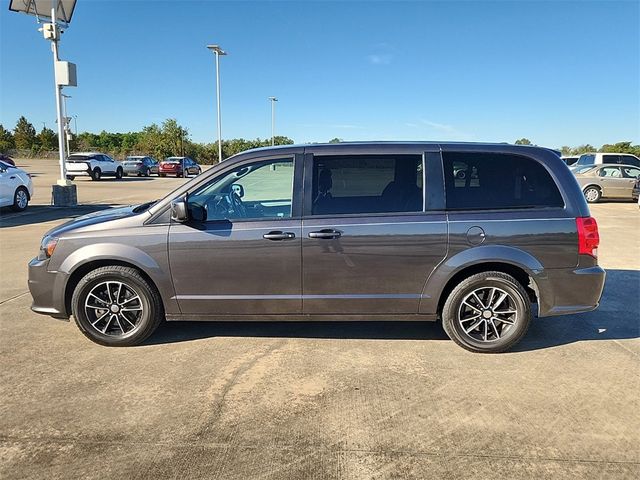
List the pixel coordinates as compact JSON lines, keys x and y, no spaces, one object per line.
{"x":278,"y":235}
{"x":325,"y":234}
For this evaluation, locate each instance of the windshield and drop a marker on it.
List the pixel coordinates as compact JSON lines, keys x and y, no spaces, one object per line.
{"x":583,"y":169}
{"x":586,"y":159}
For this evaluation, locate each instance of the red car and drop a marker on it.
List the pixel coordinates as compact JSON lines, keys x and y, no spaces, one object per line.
{"x":178,"y":166}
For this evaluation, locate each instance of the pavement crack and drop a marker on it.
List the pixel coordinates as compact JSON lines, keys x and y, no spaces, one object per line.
{"x":14,"y":297}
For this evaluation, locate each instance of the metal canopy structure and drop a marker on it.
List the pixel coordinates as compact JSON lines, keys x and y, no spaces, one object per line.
{"x":42,"y":9}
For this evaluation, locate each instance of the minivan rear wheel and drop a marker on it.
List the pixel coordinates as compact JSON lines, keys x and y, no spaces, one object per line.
{"x":116,"y":306}
{"x":487,"y":313}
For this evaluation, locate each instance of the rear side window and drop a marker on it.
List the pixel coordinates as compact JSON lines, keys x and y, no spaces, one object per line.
{"x":361,"y":184}
{"x":611,"y":159}
{"x":630,"y":160}
{"x":477,"y":181}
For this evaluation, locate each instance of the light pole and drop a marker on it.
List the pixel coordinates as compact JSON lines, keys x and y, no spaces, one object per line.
{"x":66,"y":120}
{"x":55,"y":15}
{"x":218,"y":51}
{"x":273,"y":120}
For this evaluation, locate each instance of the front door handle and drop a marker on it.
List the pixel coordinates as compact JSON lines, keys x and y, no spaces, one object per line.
{"x":278,"y":235}
{"x":325,"y":234}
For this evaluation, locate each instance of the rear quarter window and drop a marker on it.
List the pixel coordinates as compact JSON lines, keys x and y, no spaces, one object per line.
{"x":487,"y":181}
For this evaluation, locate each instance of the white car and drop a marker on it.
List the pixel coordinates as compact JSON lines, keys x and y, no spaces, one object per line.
{"x":16,"y":187}
{"x":607,"y":158}
{"x":93,"y":164}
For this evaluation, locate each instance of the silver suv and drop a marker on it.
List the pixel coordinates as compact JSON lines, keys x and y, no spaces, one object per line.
{"x":469,"y":234}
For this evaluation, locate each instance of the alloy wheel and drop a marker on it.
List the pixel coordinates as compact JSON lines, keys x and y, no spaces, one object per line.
{"x":22,"y":199}
{"x":487,"y":314}
{"x":113,"y":308}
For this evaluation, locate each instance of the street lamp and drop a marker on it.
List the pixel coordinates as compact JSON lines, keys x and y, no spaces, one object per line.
{"x":67,"y":121}
{"x":218,"y":51}
{"x":273,"y":120}
{"x":55,"y":15}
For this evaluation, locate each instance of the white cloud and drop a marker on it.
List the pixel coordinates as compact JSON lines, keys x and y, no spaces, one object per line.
{"x":451,"y":132}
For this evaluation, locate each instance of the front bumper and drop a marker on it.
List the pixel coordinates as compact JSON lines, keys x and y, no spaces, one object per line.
{"x":47,"y":290}
{"x":567,"y":291}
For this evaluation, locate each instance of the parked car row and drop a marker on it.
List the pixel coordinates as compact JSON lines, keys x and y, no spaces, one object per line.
{"x":98,"y":165}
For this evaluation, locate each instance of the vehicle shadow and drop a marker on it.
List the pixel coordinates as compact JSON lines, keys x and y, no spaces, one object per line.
{"x":45,"y":213}
{"x":615,"y":319}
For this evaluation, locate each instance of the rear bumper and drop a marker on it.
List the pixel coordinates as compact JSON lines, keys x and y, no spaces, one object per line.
{"x":568,"y":291}
{"x":47,"y":290}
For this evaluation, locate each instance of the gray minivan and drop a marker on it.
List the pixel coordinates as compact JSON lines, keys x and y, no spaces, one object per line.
{"x":473,"y":235}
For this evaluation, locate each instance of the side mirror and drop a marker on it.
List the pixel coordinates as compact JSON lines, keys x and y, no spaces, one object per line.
{"x":198,"y":213}
{"x":238,"y":190}
{"x":179,"y":210}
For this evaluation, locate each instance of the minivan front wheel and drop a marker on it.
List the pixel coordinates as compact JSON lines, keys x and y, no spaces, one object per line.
{"x":488,"y":313}
{"x":116,"y":306}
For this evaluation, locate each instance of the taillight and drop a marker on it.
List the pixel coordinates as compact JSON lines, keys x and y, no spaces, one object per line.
{"x":588,"y":237}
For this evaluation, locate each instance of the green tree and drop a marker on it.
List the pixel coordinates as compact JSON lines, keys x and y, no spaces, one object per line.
{"x":24,"y":134}
{"x":620,"y":147}
{"x":47,"y":139}
{"x":336,"y":140}
{"x":565,"y":150}
{"x":523,"y":141}
{"x":580,"y":149}
{"x":174,"y":136}
{"x":6,"y":139}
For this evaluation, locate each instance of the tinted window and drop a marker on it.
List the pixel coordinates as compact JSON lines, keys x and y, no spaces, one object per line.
{"x":254,"y":191}
{"x":489,"y":181}
{"x":630,"y":160}
{"x":611,"y":159}
{"x":360,"y":184}
{"x":587,"y":159}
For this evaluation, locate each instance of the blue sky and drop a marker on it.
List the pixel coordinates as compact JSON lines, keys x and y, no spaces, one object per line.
{"x":558,"y":73}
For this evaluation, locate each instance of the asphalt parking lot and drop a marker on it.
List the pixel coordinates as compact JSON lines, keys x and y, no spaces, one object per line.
{"x":318,"y":400}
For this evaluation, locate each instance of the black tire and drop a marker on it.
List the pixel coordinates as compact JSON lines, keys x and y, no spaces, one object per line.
{"x":592,"y":194}
{"x":118,"y":173}
{"x":180,"y":175}
{"x":510,"y":334}
{"x":162,"y":174}
{"x":199,"y":171}
{"x":71,"y":177}
{"x":152,"y":310}
{"x":20,"y":200}
{"x":96,"y":175}
{"x":147,"y":172}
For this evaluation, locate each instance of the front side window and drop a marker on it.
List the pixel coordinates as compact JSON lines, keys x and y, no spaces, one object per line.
{"x":476,"y":181}
{"x":363,"y":184}
{"x":254,"y":191}
{"x":611,"y":159}
{"x":611,"y":172}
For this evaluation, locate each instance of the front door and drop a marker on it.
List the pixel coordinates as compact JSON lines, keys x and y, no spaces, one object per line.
{"x":240,"y":252}
{"x":368,"y":245}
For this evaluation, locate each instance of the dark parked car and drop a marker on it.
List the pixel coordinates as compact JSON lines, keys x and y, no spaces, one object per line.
{"x":179,"y":166}
{"x":365,"y":231}
{"x":140,"y":166}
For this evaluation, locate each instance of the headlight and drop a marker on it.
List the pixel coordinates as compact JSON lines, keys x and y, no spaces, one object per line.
{"x":47,"y":246}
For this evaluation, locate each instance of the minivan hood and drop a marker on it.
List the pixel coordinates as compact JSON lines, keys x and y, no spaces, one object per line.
{"x":93,"y":218}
